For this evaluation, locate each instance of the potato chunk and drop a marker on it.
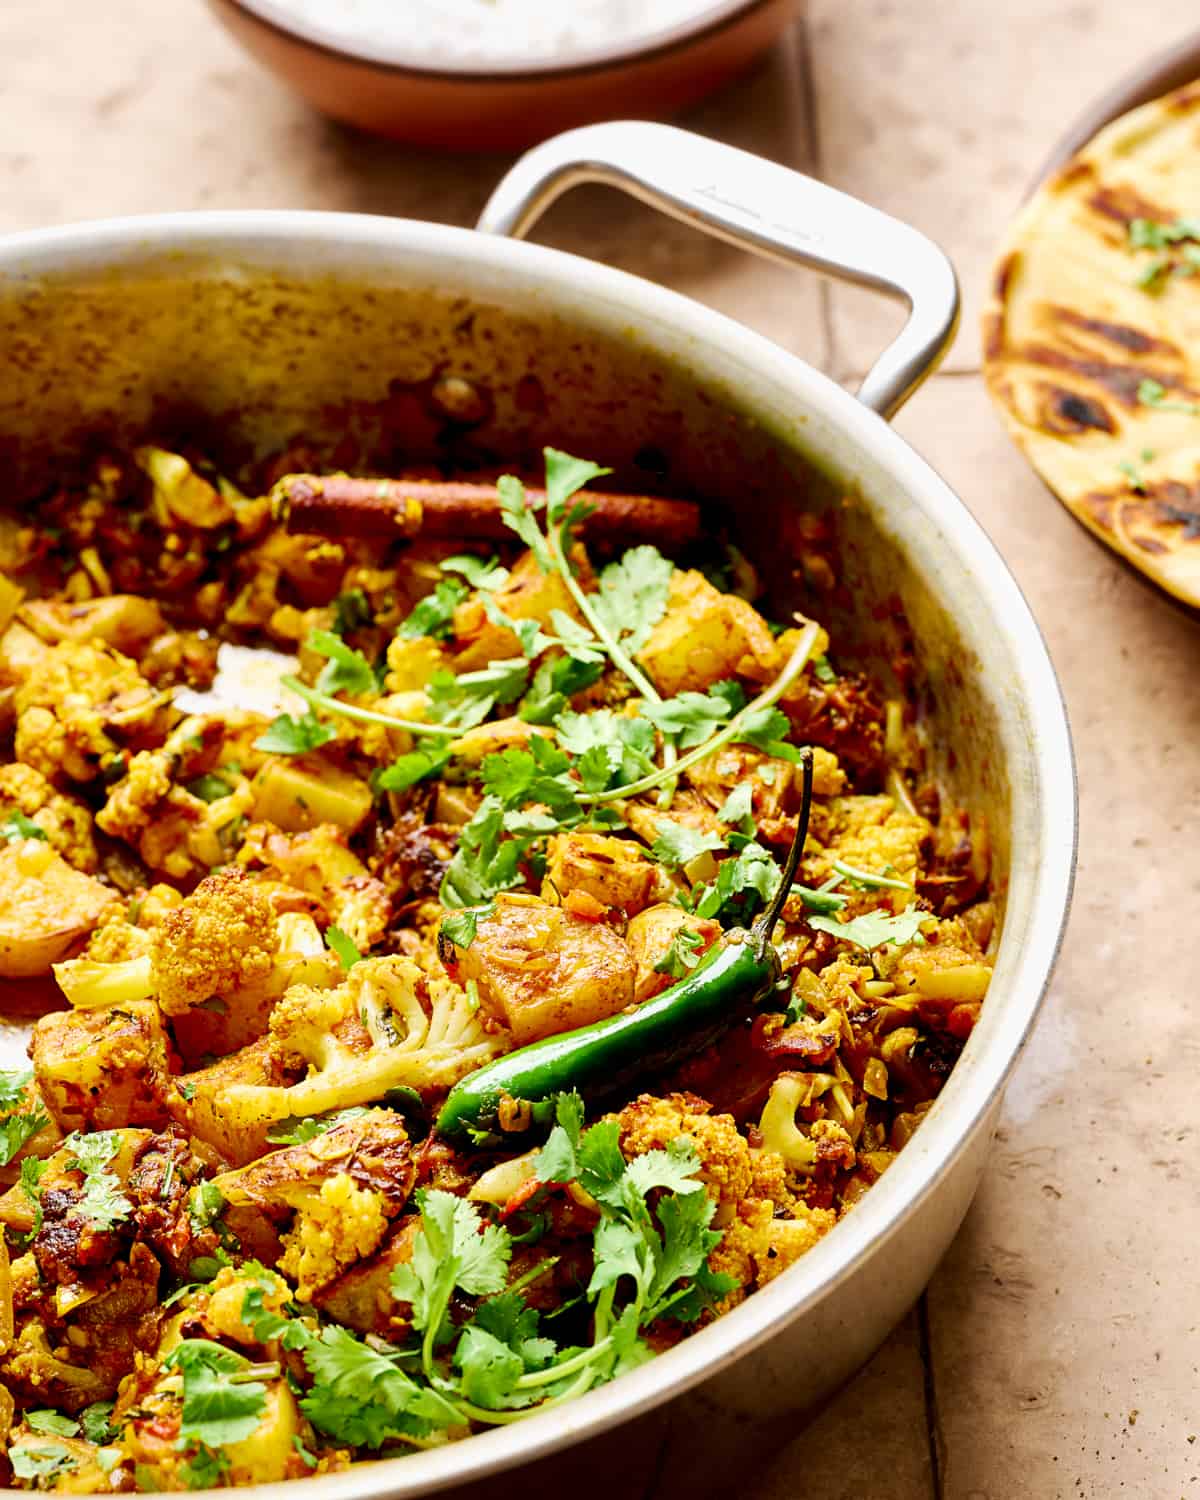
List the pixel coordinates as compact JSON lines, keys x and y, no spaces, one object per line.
{"x":102,"y":1069}
{"x":298,"y":794}
{"x":541,"y":971}
{"x":237,"y":1138}
{"x":527,"y":594}
{"x":46,"y":907}
{"x":702,"y":637}
{"x":650,"y":936}
{"x":614,"y":871}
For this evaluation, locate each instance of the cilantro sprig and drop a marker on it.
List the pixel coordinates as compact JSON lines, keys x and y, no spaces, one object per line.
{"x":101,"y":1201}
{"x":20,"y":1117}
{"x":874,"y":929}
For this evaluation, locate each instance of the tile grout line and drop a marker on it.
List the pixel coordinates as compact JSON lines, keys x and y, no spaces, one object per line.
{"x":802,"y":45}
{"x":933,"y":1432}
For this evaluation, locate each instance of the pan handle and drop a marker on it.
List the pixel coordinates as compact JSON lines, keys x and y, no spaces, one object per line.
{"x":760,"y":206}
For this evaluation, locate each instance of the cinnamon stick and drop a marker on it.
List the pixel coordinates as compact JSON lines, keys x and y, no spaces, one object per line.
{"x":338,"y":505}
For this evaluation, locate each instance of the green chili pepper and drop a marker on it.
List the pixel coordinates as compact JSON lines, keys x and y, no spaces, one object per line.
{"x":738,"y":972}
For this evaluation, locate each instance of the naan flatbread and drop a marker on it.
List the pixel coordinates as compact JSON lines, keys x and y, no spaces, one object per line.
{"x":1092,"y":337}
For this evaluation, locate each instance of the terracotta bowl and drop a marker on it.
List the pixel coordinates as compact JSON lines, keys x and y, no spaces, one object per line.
{"x":503,"y":108}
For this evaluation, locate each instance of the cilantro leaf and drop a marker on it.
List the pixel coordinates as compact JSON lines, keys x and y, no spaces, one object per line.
{"x":359,"y":1397}
{"x":632,"y":595}
{"x":686,"y":1240}
{"x":434,"y":615}
{"x":13,"y":1084}
{"x":488,"y":1367}
{"x":452,"y":1249}
{"x":738,"y":806}
{"x":564,"y":476}
{"x":40,"y":1464}
{"x":45,"y":1420}
{"x":406,"y":770}
{"x":216,"y":1409}
{"x":22,"y":1115}
{"x":460,"y":927}
{"x":351,"y":610}
{"x":102,"y":1202}
{"x":517,"y":512}
{"x":289,"y":736}
{"x":680,"y":957}
{"x":576,"y":640}
{"x":467,"y":700}
{"x":295,"y":1130}
{"x":485,"y":862}
{"x":742,"y":883}
{"x":31,"y":1177}
{"x":558,"y":1160}
{"x":536,"y":775}
{"x":346,"y":670}
{"x":627,"y":744}
{"x":767,"y":729}
{"x":677,"y":844}
{"x":874,"y":928}
{"x":554,"y":684}
{"x":488,"y":576}
{"x":691,"y":718}
{"x":17,"y":826}
{"x":344,"y":946}
{"x":96,"y":1422}
{"x":674,"y":1168}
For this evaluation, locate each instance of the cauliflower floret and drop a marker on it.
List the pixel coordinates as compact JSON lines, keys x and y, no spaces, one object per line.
{"x":385,"y":1027}
{"x":786,"y":1240}
{"x":66,"y":822}
{"x":340,"y":1190}
{"x":179,"y":493}
{"x":743,"y":1240}
{"x":73,"y":701}
{"x":411,"y":663}
{"x":224,"y":937}
{"x":222,"y":1317}
{"x":341,"y":1225}
{"x":872,"y":833}
{"x":130,"y":933}
{"x":650,"y":1124}
{"x":321,"y":864}
{"x":222,"y":959}
{"x":172,"y":828}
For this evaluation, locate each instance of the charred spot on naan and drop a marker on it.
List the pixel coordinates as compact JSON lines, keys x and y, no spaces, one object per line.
{"x":1069,"y":412}
{"x":1121,"y":202}
{"x":1121,"y":381}
{"x":1133,"y":340}
{"x":1149,"y":521}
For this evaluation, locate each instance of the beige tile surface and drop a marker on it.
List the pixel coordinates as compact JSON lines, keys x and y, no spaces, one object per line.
{"x":1068,"y":1302}
{"x":1064,"y":1320}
